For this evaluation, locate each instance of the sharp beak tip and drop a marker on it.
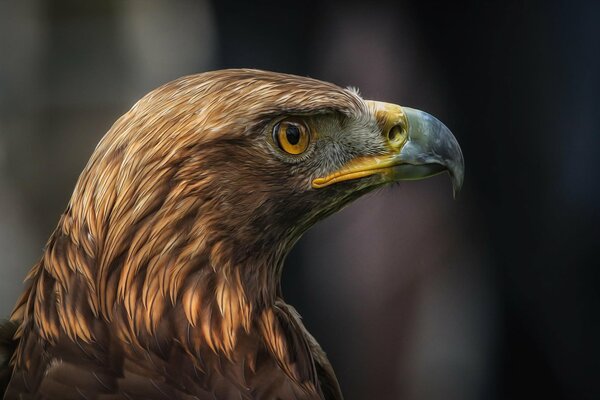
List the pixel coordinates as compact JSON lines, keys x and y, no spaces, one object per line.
{"x":456,"y":186}
{"x":457,"y":176}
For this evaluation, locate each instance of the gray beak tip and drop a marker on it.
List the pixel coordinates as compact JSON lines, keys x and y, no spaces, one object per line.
{"x":455,"y":189}
{"x":431,"y":142}
{"x":457,"y":176}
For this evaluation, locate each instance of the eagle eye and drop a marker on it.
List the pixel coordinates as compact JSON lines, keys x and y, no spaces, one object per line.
{"x":291,"y":136}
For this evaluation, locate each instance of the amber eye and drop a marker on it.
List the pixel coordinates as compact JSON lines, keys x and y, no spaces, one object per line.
{"x":291,"y":136}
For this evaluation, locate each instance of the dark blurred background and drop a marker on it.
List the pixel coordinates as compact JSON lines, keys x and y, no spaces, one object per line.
{"x":413,"y":295}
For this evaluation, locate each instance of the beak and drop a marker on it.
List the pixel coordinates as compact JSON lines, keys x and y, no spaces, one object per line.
{"x":430,"y":149}
{"x":419,"y":146}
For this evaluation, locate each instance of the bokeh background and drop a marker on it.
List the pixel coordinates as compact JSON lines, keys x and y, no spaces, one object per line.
{"x":413,"y":295}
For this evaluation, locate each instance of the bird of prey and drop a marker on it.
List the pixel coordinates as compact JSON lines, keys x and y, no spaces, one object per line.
{"x":162,"y":278}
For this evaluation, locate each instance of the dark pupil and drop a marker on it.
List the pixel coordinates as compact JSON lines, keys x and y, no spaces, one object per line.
{"x":292,"y":134}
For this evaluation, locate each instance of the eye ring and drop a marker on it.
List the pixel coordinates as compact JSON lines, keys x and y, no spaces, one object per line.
{"x":292,"y":136}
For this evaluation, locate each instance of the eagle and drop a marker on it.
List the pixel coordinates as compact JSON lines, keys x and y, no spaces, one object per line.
{"x":162,"y":278}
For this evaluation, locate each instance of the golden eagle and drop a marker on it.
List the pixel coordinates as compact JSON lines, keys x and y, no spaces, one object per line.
{"x":162,"y":278}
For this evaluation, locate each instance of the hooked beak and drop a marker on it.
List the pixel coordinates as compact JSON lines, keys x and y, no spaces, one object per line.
{"x":419,"y":146}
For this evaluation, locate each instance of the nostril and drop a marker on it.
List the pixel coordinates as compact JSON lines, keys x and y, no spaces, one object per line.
{"x":395,"y":133}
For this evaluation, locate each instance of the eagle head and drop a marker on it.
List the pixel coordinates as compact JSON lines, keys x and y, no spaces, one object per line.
{"x":178,"y":227}
{"x":242,"y":162}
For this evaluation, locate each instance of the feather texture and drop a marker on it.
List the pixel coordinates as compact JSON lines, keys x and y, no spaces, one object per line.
{"x":161,"y":279}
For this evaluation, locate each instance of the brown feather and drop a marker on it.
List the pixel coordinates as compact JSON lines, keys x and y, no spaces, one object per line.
{"x":161,"y":279}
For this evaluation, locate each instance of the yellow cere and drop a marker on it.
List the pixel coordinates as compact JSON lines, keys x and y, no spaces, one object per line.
{"x":393,"y":125}
{"x":357,"y":168}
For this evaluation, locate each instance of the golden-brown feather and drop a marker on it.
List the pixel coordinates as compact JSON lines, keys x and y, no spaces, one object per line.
{"x":152,"y":242}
